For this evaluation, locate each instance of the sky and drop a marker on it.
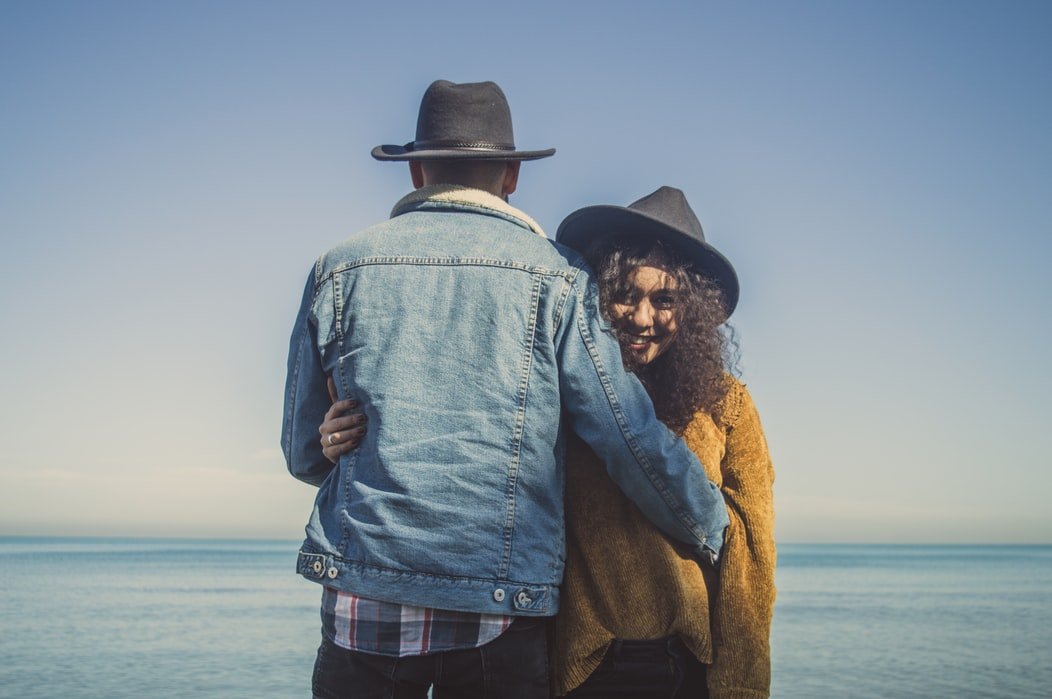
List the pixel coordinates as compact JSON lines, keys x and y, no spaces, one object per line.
{"x":879,"y":173}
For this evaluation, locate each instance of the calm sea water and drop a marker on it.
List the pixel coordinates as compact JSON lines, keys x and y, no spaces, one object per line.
{"x":113,"y":618}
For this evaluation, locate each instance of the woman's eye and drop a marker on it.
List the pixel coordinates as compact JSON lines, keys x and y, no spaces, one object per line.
{"x":664,"y":301}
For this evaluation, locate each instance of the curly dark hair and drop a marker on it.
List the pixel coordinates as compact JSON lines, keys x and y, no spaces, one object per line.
{"x":689,"y":376}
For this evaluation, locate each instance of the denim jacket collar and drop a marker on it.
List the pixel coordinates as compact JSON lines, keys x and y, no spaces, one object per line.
{"x":438,"y":196}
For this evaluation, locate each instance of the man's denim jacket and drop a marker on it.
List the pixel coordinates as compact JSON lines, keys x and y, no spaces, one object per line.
{"x":473,"y":344}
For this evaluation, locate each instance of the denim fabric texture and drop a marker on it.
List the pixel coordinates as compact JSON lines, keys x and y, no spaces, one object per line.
{"x":514,"y":666}
{"x":472,"y":344}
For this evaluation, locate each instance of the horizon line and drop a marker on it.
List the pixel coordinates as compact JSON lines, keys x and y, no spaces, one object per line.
{"x":126,"y":537}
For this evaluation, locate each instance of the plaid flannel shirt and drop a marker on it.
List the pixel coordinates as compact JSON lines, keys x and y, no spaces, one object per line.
{"x":387,"y":628}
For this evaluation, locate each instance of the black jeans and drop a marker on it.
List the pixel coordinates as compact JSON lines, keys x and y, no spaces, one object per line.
{"x":514,"y":665}
{"x":661,"y":669}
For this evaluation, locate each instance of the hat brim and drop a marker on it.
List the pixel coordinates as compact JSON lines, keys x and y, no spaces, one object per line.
{"x":584,"y":226}
{"x":389,"y":152}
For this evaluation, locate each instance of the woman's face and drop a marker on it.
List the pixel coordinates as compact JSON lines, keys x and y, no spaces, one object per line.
{"x":645,"y":317}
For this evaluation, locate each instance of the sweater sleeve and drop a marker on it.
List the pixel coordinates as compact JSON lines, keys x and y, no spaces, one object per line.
{"x":744,"y":603}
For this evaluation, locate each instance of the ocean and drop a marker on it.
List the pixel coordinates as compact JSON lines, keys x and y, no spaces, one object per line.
{"x":222,"y":619}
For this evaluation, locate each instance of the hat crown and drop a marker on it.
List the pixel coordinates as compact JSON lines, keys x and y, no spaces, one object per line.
{"x":669,"y":205}
{"x":464,"y":115}
{"x":465,"y":121}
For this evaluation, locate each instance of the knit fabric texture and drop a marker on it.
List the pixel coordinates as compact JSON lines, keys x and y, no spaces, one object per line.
{"x":625,"y":580}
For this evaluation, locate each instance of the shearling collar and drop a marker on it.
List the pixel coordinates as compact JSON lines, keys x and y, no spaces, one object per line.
{"x":456,"y":194}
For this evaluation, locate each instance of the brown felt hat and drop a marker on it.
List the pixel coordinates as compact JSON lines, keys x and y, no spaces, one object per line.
{"x":466,"y":121}
{"x":665,"y":215}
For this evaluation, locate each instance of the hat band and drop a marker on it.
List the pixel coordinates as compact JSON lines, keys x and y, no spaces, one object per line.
{"x":459,"y":145}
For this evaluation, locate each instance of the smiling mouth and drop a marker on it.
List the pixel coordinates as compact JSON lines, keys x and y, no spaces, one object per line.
{"x":640,"y":342}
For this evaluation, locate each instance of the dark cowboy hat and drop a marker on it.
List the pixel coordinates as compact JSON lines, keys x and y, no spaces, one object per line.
{"x":469,"y":121}
{"x":664,"y":215}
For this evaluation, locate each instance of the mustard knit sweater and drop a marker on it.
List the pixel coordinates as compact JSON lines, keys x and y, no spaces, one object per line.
{"x":625,"y":580}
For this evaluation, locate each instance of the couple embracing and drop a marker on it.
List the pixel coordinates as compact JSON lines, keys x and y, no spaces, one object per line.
{"x":536,"y":475}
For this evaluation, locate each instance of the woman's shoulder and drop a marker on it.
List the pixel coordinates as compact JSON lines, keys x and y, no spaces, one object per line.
{"x":723,"y":417}
{"x":735,"y":400}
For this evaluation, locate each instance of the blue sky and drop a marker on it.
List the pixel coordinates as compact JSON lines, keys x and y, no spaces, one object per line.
{"x":880,"y":174}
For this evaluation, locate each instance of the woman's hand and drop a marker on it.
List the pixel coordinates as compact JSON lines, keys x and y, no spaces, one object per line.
{"x":342,"y":429}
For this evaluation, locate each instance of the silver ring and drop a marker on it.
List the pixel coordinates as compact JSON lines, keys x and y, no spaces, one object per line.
{"x":330,"y":439}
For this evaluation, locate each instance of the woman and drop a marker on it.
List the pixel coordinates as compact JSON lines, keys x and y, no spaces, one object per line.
{"x":639,"y":617}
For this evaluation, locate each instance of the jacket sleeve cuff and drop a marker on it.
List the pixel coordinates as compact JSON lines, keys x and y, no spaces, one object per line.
{"x":711,"y":548}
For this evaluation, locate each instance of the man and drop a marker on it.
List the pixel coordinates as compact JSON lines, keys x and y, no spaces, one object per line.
{"x":472,"y":344}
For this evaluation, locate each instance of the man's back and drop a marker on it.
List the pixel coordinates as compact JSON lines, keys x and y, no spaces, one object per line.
{"x":441,"y":323}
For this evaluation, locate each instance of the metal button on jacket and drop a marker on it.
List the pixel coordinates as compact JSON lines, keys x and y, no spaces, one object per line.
{"x":498,"y":594}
